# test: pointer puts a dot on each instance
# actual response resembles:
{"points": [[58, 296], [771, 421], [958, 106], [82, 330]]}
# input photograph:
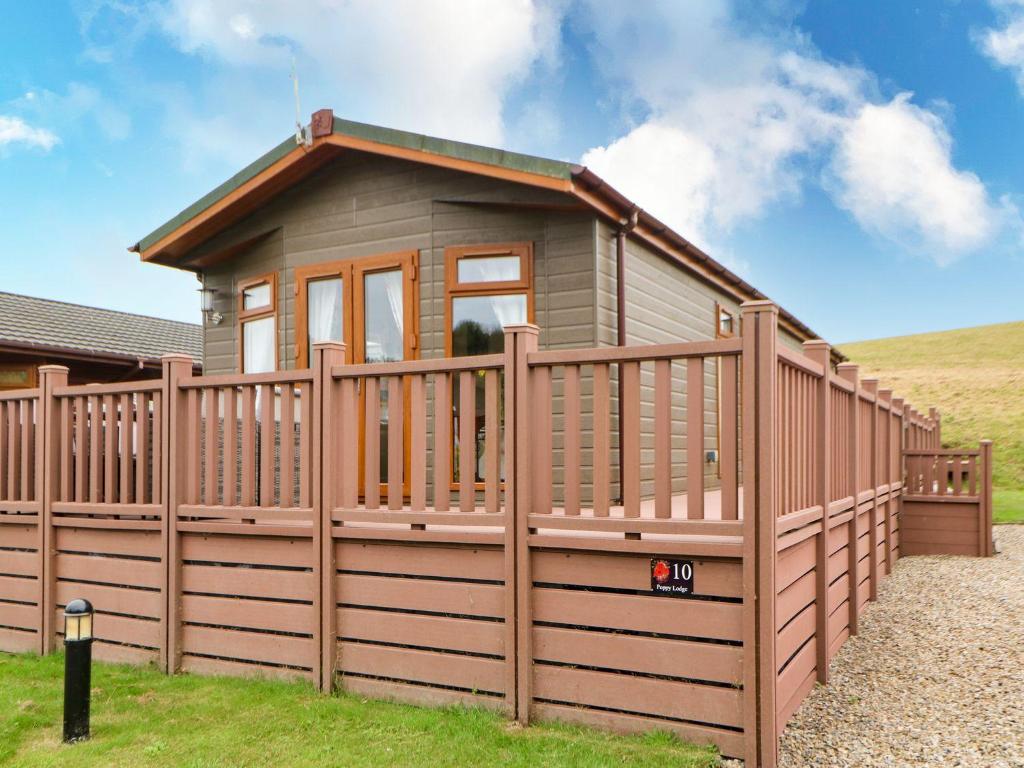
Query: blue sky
{"points": [[860, 162]]}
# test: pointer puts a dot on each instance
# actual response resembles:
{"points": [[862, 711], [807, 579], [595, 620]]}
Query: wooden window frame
{"points": [[719, 311], [350, 271], [453, 289], [32, 369], [258, 313]]}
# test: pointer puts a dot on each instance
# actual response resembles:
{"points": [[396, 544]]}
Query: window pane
{"points": [[383, 315], [256, 296], [324, 311], [258, 345], [725, 323], [478, 322], [489, 269]]}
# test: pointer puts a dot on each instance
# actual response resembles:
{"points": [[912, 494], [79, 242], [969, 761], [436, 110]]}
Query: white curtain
{"points": [[324, 307], [510, 310], [393, 286], [258, 344]]}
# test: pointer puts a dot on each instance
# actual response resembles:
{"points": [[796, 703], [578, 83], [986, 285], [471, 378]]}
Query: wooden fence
{"points": [[455, 530]]}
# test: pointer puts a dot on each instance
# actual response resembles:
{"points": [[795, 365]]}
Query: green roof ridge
{"points": [[392, 136]]}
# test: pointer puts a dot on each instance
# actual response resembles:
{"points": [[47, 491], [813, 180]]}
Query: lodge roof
{"points": [[290, 161], [52, 326]]}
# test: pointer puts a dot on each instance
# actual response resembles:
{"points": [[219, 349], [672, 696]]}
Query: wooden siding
{"points": [[361, 205]]}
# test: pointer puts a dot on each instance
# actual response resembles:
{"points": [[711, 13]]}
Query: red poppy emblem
{"points": [[661, 571]]}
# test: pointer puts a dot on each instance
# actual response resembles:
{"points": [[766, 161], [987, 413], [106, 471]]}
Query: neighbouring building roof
{"points": [[288, 163], [54, 326]]}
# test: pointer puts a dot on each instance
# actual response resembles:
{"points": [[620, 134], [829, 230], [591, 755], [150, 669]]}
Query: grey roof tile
{"points": [[57, 324]]}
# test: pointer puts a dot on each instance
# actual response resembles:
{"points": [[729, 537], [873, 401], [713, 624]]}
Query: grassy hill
{"points": [[975, 376]]}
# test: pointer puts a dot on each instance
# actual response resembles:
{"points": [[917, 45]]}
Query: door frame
{"points": [[352, 272]]}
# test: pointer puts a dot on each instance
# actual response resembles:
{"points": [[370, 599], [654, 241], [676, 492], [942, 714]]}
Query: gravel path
{"points": [[935, 676]]}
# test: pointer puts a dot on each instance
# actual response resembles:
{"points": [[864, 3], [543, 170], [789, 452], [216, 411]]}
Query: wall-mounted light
{"points": [[206, 299]]}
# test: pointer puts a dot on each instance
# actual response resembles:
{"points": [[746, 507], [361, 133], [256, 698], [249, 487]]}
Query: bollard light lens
{"points": [[78, 621]]}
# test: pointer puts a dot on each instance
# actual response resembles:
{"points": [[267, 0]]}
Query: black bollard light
{"points": [[77, 669]]}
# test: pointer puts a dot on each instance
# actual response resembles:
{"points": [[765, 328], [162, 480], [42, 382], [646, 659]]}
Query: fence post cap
{"points": [[332, 345], [871, 385], [986, 442], [760, 305], [52, 368], [523, 328], [885, 394], [171, 357], [817, 344]]}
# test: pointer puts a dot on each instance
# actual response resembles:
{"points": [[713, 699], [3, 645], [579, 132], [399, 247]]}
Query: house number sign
{"points": [[673, 578]]}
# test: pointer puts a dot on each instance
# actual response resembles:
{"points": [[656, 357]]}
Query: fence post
{"points": [[760, 364], [985, 505], [871, 387], [47, 448], [520, 340], [848, 371], [176, 367], [326, 426], [933, 414], [821, 352]]}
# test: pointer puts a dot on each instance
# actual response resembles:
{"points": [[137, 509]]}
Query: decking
{"points": [[262, 524]]}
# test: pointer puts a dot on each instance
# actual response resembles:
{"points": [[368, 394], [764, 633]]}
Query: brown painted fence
{"points": [[457, 530]]}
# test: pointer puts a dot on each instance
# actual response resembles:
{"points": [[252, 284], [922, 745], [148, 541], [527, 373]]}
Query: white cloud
{"points": [[1005, 44], [14, 130], [80, 101], [735, 122], [896, 177], [441, 67]]}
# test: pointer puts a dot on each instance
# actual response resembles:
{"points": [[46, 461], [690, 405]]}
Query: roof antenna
{"points": [[302, 136]]}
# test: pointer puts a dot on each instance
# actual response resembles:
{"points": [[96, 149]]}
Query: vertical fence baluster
{"points": [[418, 443], [229, 456], [371, 447], [442, 443], [695, 438], [287, 489], [209, 410], [248, 446], [629, 413], [349, 427], [729, 440], [95, 457], [602, 444], [306, 444], [109, 449], [663, 438], [267, 439], [467, 441], [492, 443], [141, 449], [396, 442], [192, 452]]}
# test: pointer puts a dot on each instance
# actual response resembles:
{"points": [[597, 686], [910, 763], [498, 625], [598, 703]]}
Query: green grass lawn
{"points": [[975, 376], [141, 717]]}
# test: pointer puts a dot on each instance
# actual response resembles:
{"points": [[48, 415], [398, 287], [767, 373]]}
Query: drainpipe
{"points": [[625, 228]]}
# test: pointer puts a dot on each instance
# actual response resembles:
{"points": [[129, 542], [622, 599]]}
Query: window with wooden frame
{"points": [[487, 287], [17, 375], [257, 323], [725, 322]]}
